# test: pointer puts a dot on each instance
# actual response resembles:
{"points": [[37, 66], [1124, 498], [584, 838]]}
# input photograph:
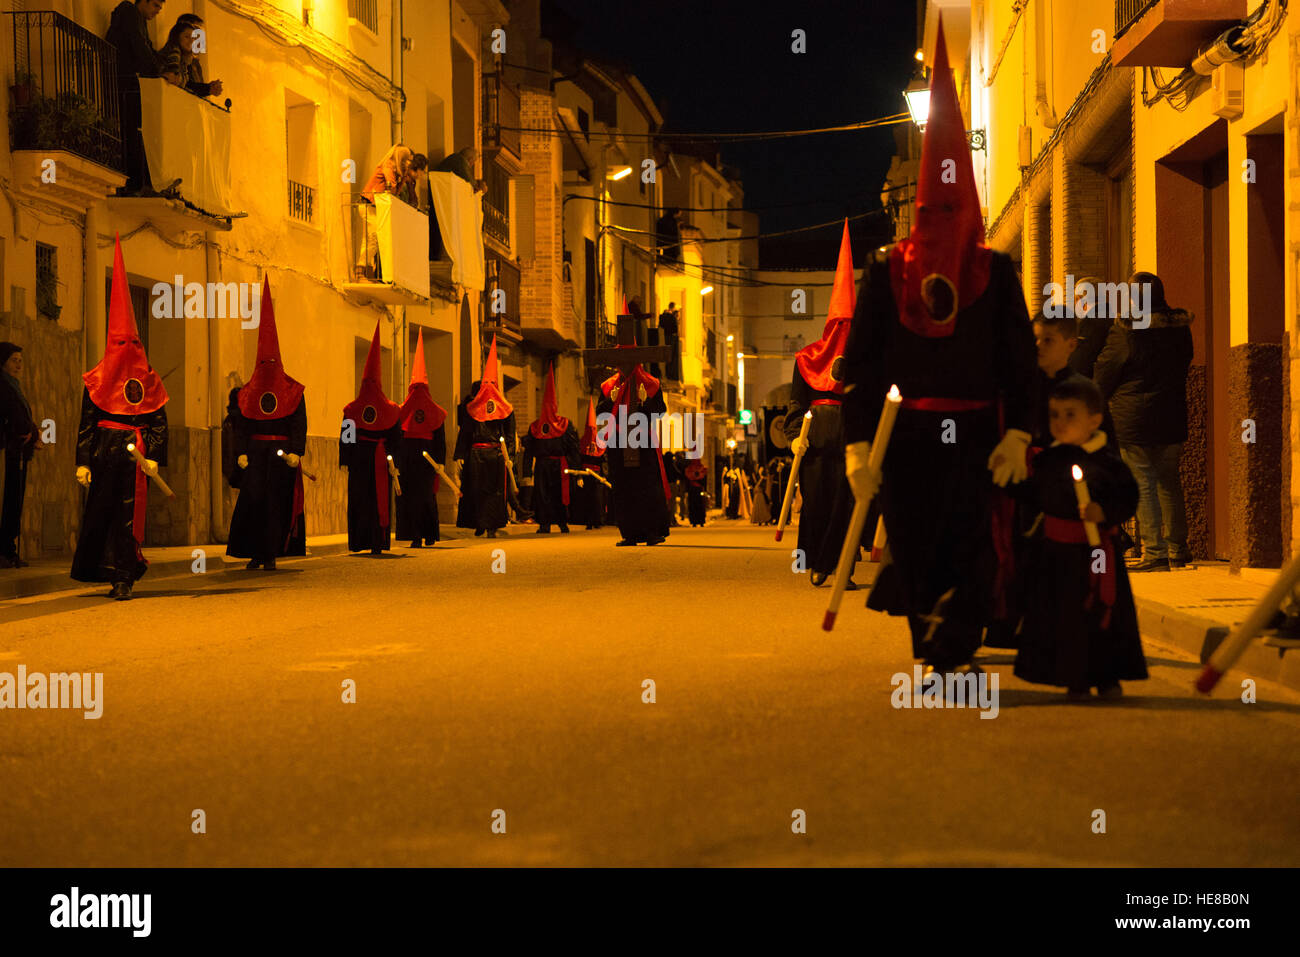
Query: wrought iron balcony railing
{"points": [[302, 201], [1129, 12], [500, 114], [502, 277], [64, 94]]}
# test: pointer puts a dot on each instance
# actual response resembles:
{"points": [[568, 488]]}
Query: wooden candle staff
{"points": [[392, 470], [157, 479], [794, 475], [441, 471], [861, 506], [280, 452]]}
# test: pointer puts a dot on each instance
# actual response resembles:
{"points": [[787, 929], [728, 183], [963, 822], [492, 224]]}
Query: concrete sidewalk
{"points": [[43, 577], [1194, 609]]}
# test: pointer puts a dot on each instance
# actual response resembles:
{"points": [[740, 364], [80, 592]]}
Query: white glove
{"points": [[1009, 461], [863, 479], [799, 445], [150, 467], [291, 459], [242, 461], [83, 475]]}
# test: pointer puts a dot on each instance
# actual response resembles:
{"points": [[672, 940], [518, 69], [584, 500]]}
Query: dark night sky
{"points": [[724, 65]]}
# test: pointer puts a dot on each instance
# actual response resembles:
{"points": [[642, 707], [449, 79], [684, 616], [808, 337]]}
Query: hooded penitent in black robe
{"points": [[267, 416], [587, 496], [545, 460], [466, 510], [107, 546], [478, 446], [640, 488], [376, 421], [417, 506], [267, 521], [1080, 626], [937, 494]]}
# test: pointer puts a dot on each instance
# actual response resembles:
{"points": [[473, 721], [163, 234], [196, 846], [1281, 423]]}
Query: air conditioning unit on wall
{"points": [[1229, 83]]}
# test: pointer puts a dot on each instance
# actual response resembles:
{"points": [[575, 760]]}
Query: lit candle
{"points": [[157, 479], [893, 402], [392, 470], [1081, 493]]}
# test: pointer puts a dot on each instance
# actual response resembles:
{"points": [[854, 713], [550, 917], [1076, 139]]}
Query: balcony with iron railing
{"points": [[63, 106], [501, 299], [500, 114], [496, 204], [1169, 33]]}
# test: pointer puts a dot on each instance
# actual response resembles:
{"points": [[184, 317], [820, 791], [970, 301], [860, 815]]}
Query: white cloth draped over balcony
{"points": [[187, 137], [460, 221], [403, 233]]}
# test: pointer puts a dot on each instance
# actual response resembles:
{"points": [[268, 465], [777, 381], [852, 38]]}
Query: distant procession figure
{"points": [[268, 417], [123, 404], [588, 495], [818, 386], [489, 418], [550, 449], [640, 485], [422, 433], [697, 481], [373, 421]]}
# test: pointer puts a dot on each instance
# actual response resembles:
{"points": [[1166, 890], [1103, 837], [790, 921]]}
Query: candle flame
{"points": [[1077, 473], [130, 446], [279, 451], [894, 394], [390, 458], [808, 414]]}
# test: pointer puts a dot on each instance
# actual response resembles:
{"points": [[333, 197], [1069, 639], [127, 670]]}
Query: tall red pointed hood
{"points": [[270, 393], [371, 409], [421, 416], [550, 425], [819, 363], [490, 403], [124, 383], [590, 444], [943, 266]]}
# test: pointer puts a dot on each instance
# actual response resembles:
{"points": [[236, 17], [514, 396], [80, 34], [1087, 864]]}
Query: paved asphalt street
{"points": [[522, 691]]}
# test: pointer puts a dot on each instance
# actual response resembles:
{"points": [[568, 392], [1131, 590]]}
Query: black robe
{"points": [[640, 500], [366, 529], [417, 506], [695, 503], [587, 502], [545, 461], [1064, 638], [263, 525], [107, 550], [486, 469], [827, 498], [936, 495]]}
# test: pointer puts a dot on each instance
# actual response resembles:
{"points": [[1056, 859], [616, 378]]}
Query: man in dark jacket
{"points": [[1142, 372], [129, 33], [1093, 329]]}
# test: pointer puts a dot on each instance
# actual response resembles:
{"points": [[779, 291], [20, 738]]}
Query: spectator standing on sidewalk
{"points": [[17, 445], [1142, 373], [1093, 328]]}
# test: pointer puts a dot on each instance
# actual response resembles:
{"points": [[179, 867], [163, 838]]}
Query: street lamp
{"points": [[706, 290], [917, 96], [625, 172]]}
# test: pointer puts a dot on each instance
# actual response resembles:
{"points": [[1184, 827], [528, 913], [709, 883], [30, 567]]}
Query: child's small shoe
{"points": [[1110, 692]]}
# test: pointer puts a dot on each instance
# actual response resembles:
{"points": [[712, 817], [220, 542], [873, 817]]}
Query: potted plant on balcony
{"points": [[64, 122], [20, 94]]}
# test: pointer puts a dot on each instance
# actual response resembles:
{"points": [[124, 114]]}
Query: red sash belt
{"points": [[1072, 532], [564, 476], [270, 438], [486, 445], [381, 479], [941, 404], [141, 483], [827, 402]]}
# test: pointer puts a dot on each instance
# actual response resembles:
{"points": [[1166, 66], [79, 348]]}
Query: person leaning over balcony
{"points": [[462, 163], [395, 174], [17, 443], [1142, 373], [136, 57], [180, 59]]}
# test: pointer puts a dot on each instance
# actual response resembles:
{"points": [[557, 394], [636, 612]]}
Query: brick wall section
{"points": [[1037, 252], [540, 278], [1083, 215]]}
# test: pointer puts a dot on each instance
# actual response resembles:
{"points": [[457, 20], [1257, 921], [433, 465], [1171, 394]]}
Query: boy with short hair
{"points": [[1079, 628]]}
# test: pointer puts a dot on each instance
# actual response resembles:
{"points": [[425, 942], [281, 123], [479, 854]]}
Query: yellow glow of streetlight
{"points": [[622, 174], [730, 338], [706, 290]]}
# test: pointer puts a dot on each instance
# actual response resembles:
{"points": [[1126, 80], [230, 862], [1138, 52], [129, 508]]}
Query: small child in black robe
{"points": [[1080, 628]]}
